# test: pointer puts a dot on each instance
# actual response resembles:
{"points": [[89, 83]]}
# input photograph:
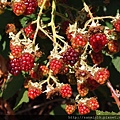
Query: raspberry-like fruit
{"points": [[18, 8], [70, 108], [91, 83], [78, 41], [116, 24], [33, 92], [97, 58], [66, 91], [70, 56], [83, 109], [113, 46], [14, 66], [30, 31], [92, 104], [102, 75], [31, 6], [26, 62], [82, 89], [98, 41], [16, 50], [56, 66]]}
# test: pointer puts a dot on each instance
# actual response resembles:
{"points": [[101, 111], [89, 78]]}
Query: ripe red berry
{"points": [[102, 75], [92, 104], [70, 108], [30, 31], [56, 65], [31, 6], [97, 58], [26, 62], [18, 8], [66, 91], [70, 56], [82, 89], [116, 24], [113, 46], [33, 92], [78, 41], [14, 66], [83, 109], [98, 41]]}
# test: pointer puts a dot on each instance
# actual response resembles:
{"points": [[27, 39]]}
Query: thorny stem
{"points": [[115, 95], [95, 18], [38, 21]]}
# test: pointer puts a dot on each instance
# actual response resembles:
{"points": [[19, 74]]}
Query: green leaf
{"points": [[0, 37], [109, 25], [45, 19], [22, 98], [116, 62], [13, 86]]}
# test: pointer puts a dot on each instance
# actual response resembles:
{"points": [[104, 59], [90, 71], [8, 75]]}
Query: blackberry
{"points": [[26, 62], [70, 56], [14, 66]]}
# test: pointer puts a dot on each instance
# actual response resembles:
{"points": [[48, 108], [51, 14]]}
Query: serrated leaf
{"points": [[116, 63], [13, 86], [22, 98]]}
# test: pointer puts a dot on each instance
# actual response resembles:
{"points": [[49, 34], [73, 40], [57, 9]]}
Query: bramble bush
{"points": [[59, 57]]}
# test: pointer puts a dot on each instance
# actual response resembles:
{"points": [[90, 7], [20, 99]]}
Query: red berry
{"points": [[30, 31], [33, 92], [78, 41], [98, 41], [70, 56], [31, 6], [102, 75], [18, 8], [16, 50], [14, 66], [66, 91], [97, 58], [113, 46], [26, 62], [92, 84], [92, 103], [70, 108], [56, 66], [83, 109], [82, 89], [116, 24]]}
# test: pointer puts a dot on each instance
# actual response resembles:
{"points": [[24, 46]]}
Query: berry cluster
{"points": [[78, 57], [24, 7]]}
